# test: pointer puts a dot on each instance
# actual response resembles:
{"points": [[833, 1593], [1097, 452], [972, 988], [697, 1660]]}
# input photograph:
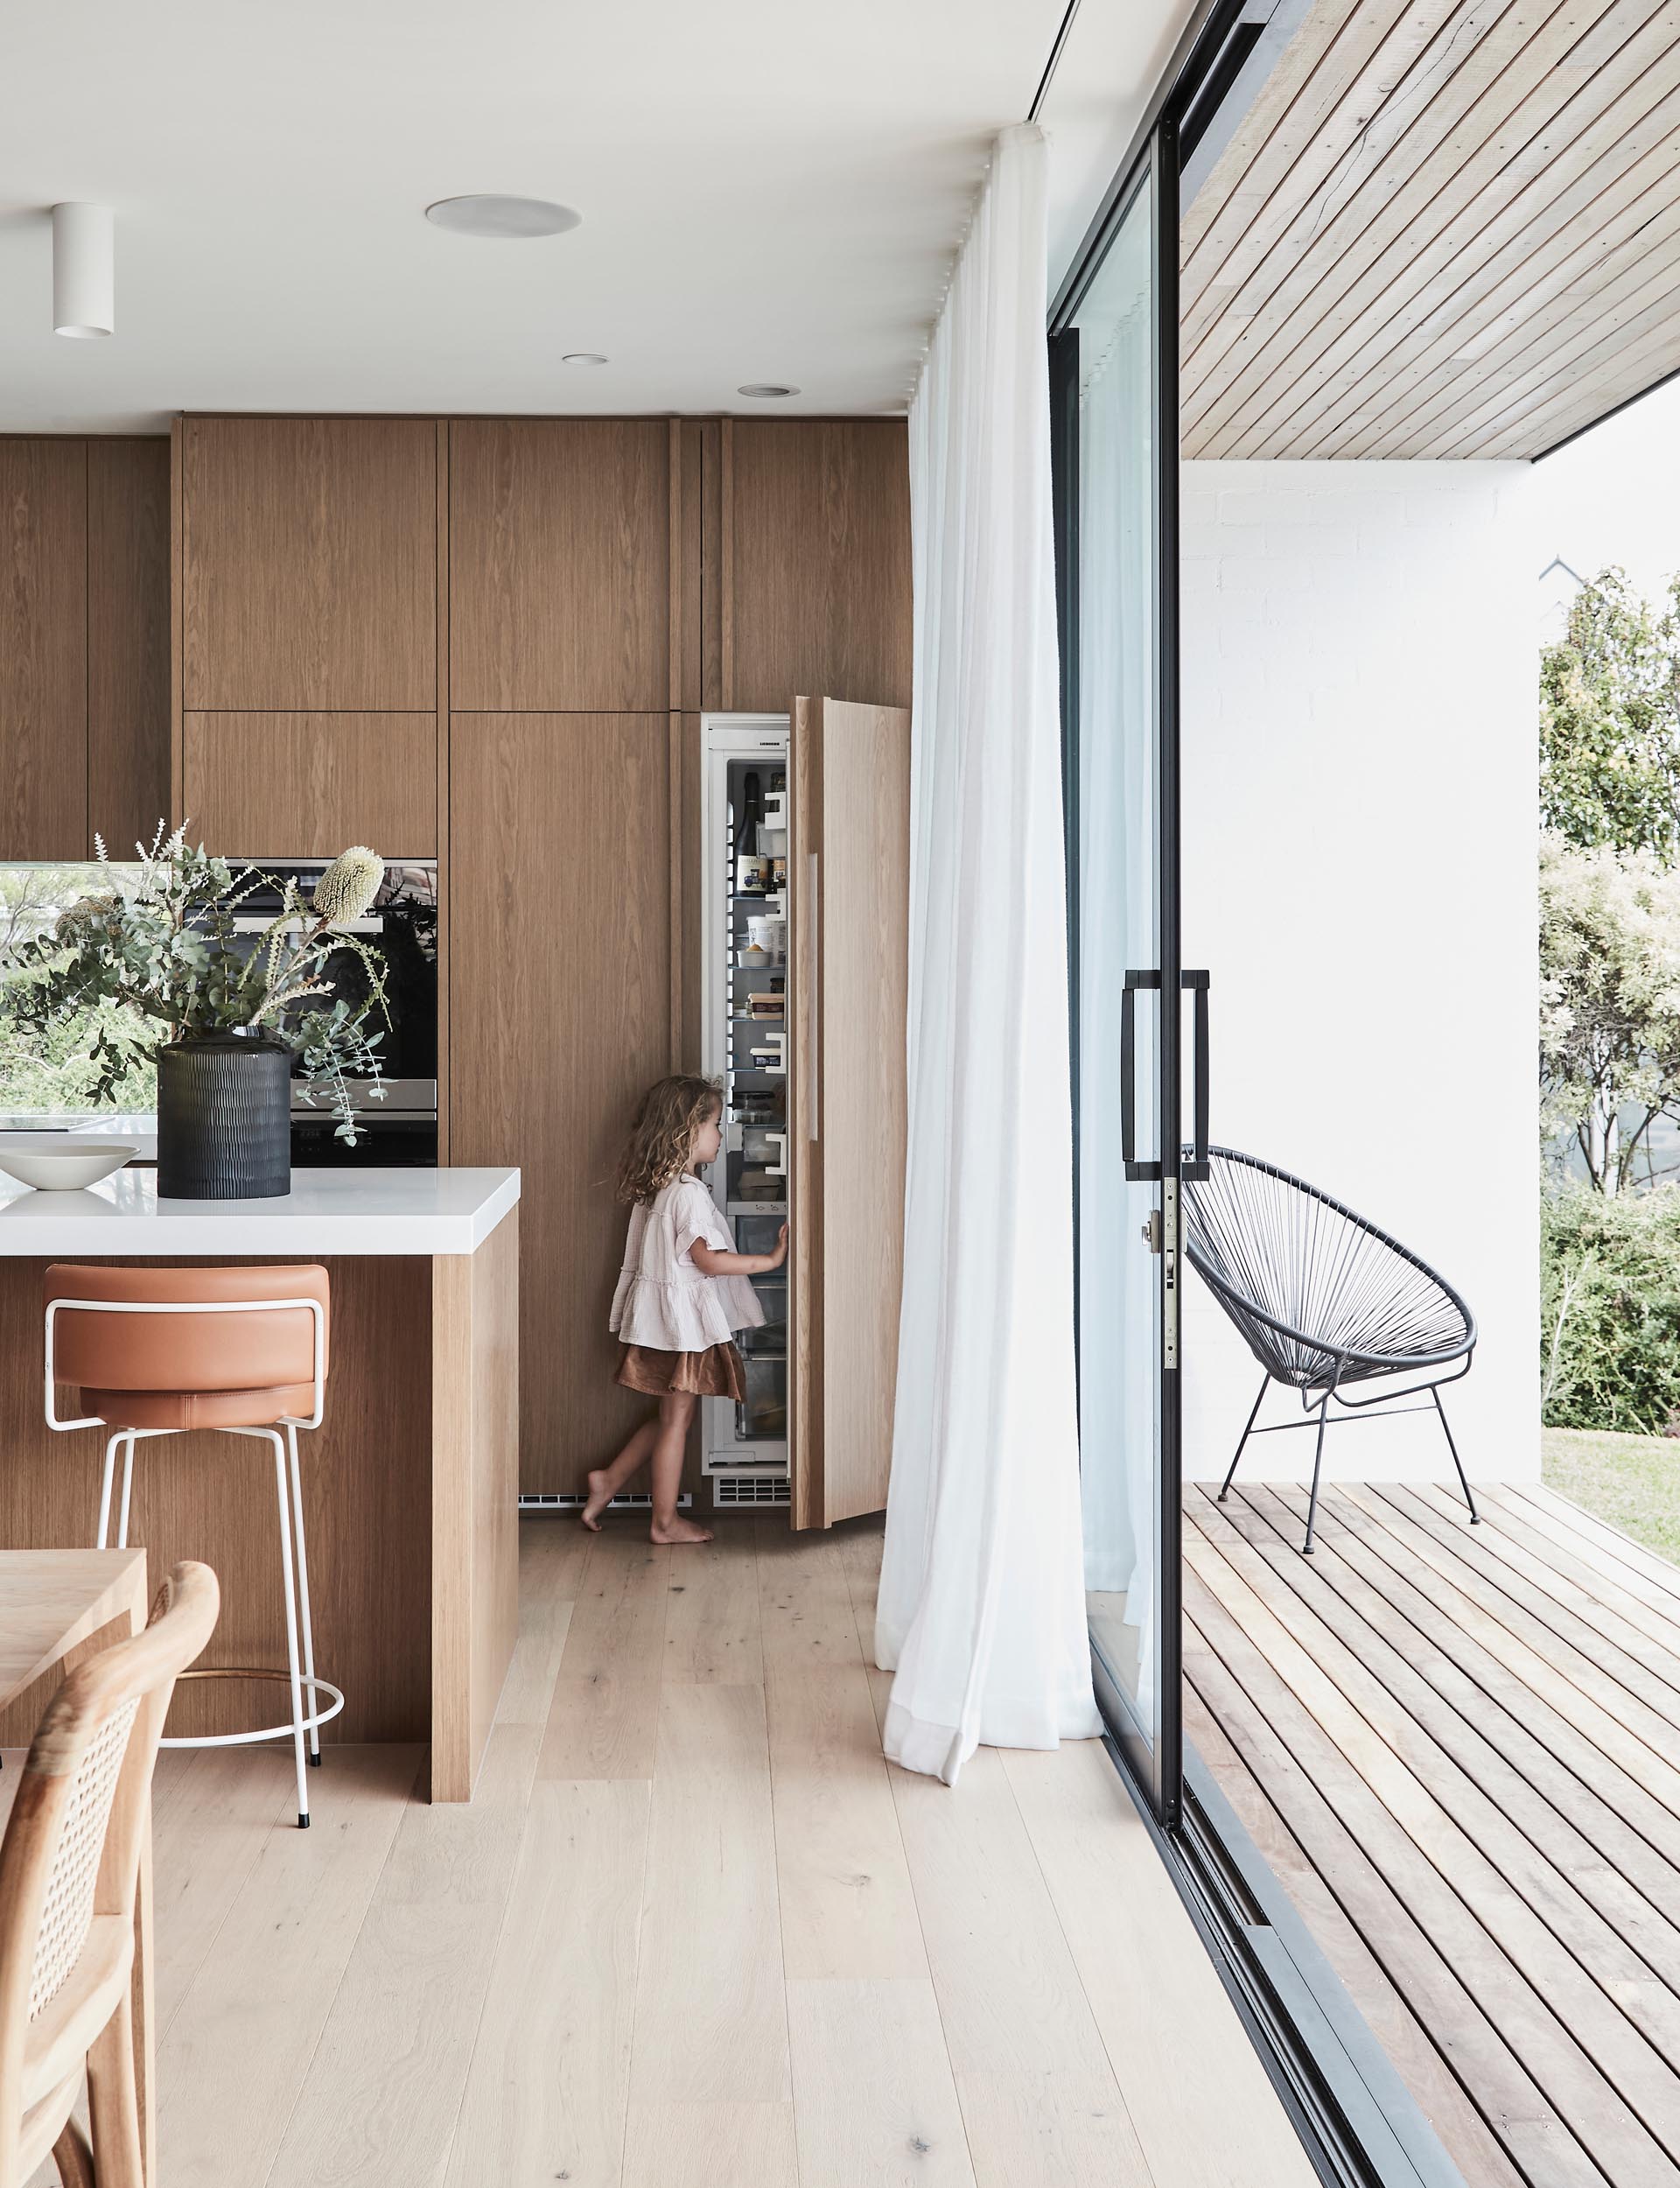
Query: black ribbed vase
{"points": [[224, 1120]]}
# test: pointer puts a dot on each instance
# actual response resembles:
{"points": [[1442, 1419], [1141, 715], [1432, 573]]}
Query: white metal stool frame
{"points": [[291, 1518]]}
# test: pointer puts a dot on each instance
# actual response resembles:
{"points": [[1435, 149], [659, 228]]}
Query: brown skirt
{"points": [[717, 1372]]}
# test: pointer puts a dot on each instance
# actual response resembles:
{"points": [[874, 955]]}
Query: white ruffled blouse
{"points": [[662, 1300]]}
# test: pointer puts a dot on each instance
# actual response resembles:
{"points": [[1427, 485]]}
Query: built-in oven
{"points": [[400, 1129]]}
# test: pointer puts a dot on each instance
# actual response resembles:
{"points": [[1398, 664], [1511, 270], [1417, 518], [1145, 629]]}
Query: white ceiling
{"points": [[769, 193]]}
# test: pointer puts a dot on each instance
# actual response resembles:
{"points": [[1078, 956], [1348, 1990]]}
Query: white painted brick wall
{"points": [[1359, 857]]}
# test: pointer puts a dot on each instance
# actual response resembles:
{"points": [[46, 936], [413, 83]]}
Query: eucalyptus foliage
{"points": [[1610, 721], [159, 959]]}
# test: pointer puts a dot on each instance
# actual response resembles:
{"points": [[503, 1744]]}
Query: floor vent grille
{"points": [[574, 1500], [751, 1489]]}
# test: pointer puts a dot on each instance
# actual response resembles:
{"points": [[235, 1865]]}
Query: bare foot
{"points": [[600, 1495], [678, 1530]]}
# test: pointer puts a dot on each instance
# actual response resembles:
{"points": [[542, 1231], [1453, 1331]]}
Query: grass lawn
{"points": [[1632, 1481]]}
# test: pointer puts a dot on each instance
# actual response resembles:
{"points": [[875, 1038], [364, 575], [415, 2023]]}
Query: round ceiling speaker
{"points": [[507, 219]]}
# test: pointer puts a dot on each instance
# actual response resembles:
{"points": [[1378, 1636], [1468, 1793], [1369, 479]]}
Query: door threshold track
{"points": [[1358, 2122]]}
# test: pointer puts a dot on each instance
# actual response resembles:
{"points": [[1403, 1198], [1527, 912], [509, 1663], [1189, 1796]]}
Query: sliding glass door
{"points": [[1112, 371]]}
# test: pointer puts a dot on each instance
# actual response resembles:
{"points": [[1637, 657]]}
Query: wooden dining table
{"points": [[57, 1609]]}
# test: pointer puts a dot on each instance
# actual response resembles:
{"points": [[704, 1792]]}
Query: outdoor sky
{"points": [[1612, 496]]}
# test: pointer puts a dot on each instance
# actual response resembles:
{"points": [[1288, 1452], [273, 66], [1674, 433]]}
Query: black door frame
{"points": [[1156, 1762]]}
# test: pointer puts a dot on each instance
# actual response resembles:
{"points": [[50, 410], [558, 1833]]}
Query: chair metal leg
{"points": [[297, 1711], [1317, 1460], [111, 1443], [1475, 1516], [303, 1589], [1254, 1415], [130, 1441]]}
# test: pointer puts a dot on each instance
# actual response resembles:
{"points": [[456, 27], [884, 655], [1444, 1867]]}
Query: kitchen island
{"points": [[410, 1484]]}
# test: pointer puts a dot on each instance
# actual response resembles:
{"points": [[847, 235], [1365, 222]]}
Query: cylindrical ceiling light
{"points": [[83, 276]]}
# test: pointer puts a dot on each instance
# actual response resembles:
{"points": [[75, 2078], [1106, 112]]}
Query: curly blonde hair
{"points": [[660, 1145]]}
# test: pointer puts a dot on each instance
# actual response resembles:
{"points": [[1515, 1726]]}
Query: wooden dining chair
{"points": [[69, 1867]]}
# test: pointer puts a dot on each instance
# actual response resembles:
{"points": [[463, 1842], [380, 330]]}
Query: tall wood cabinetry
{"points": [[84, 643], [511, 628], [308, 635]]}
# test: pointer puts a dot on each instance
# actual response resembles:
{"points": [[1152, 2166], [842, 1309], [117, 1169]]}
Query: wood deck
{"points": [[1460, 1749]]}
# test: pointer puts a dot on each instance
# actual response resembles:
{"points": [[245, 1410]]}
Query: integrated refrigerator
{"points": [[743, 998], [804, 873]]}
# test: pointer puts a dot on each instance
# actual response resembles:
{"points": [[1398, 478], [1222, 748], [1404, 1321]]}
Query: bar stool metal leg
{"points": [[111, 1443], [128, 1486], [280, 1485], [303, 1590]]}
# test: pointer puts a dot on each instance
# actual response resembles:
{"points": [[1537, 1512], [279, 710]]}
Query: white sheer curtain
{"points": [[981, 1609]]}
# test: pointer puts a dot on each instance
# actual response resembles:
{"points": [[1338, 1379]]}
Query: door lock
{"points": [[1153, 1231]]}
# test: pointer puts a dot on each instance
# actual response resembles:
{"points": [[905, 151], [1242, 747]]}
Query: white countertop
{"points": [[368, 1211]]}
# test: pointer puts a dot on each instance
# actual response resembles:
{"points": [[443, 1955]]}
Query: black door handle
{"points": [[1135, 1170], [1198, 1167]]}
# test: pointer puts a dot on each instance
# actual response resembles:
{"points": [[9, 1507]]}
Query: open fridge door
{"points": [[849, 908]]}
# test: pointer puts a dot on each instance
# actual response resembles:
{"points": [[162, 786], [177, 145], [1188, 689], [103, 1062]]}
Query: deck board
{"points": [[1458, 1749]]}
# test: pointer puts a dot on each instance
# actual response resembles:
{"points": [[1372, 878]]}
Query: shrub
{"points": [[1610, 1310]]}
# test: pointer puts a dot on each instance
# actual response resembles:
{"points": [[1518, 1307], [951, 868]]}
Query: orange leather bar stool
{"points": [[156, 1352]]}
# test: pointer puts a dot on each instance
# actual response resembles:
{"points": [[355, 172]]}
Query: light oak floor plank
{"points": [[847, 1905], [549, 1577], [546, 2091], [604, 1710], [1054, 2130], [235, 2060], [206, 1838], [1186, 2069], [710, 2016], [711, 1613], [873, 2098], [386, 2081], [710, 2146], [805, 1601], [1009, 1994]]}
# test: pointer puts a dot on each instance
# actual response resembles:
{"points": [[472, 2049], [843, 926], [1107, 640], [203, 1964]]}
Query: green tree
{"points": [[1609, 1001], [1610, 721]]}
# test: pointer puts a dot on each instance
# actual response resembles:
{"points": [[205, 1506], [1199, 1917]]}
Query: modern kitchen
{"points": [[504, 677]]}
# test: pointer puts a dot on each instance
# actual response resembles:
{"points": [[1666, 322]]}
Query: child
{"points": [[681, 1295]]}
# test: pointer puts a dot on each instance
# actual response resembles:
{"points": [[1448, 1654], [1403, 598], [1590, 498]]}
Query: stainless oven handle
{"points": [[339, 926]]}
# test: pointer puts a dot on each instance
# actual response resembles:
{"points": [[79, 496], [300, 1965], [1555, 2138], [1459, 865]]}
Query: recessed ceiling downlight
{"points": [[504, 218], [765, 388], [583, 357]]}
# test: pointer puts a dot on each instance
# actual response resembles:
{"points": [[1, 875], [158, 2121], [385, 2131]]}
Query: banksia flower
{"points": [[349, 885]]}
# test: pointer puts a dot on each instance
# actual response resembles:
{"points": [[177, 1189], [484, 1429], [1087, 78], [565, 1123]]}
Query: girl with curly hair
{"points": [[683, 1293]]}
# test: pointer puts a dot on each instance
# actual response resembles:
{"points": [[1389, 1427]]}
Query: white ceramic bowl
{"points": [[52, 1164]]}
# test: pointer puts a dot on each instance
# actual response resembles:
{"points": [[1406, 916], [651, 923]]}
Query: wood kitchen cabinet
{"points": [[44, 648], [308, 569], [127, 640], [565, 995], [560, 564], [303, 786], [815, 556], [84, 643], [849, 912]]}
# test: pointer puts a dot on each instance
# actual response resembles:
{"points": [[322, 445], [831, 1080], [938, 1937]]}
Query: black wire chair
{"points": [[1323, 1300]]}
